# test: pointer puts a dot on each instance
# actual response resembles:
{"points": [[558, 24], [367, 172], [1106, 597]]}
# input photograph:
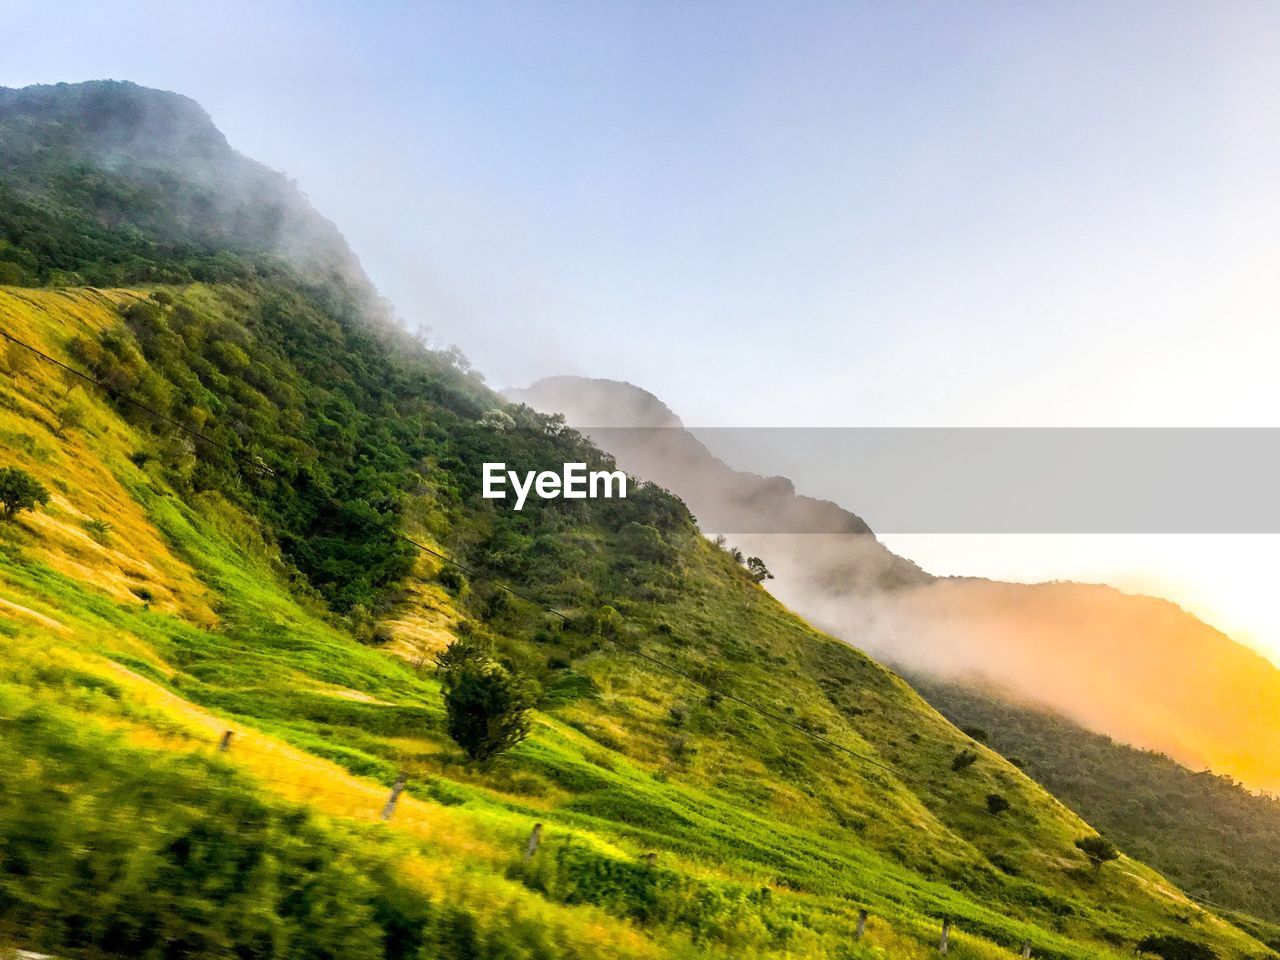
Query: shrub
{"points": [[963, 760], [758, 571], [996, 804], [487, 709], [1098, 849], [452, 579], [98, 528], [71, 415], [19, 491], [17, 359], [1175, 948]]}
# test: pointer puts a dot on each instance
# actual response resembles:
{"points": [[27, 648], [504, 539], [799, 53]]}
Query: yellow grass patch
{"points": [[132, 561]]}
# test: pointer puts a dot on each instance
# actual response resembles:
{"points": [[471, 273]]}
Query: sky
{"points": [[788, 214]]}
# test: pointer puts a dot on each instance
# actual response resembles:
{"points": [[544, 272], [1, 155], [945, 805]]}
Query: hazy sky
{"points": [[790, 213], [777, 214]]}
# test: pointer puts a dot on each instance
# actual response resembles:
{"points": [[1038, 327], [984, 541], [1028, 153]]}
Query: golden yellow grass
{"points": [[134, 557]]}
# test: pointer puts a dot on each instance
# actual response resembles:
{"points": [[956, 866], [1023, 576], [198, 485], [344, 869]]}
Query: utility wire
{"points": [[120, 395]]}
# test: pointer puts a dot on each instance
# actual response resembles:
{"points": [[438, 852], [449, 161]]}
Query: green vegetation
{"points": [[259, 580], [1098, 849], [1176, 948], [486, 708], [19, 491], [1208, 833]]}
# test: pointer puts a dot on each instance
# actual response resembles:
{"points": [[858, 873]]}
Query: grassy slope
{"points": [[767, 841], [1209, 833]]}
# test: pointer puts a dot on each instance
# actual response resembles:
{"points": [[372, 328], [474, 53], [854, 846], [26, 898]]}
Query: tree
{"points": [[71, 416], [487, 709], [759, 572], [19, 491], [996, 804], [1098, 849], [1176, 948], [17, 359], [714, 678]]}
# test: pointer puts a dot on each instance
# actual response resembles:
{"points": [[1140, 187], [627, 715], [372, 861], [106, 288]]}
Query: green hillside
{"points": [[222, 551], [1208, 833]]}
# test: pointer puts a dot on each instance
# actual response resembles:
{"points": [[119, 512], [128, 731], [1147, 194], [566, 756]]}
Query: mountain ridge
{"points": [[166, 594], [1139, 668]]}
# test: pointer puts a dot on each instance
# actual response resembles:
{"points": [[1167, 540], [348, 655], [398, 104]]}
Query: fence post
{"points": [[1026, 949], [396, 790], [534, 839], [225, 743], [862, 925], [946, 935]]}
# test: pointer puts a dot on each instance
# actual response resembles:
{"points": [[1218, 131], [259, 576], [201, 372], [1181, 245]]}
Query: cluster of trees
{"points": [[19, 491], [756, 568]]}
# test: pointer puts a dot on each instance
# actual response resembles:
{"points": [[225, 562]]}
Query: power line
{"points": [[120, 395]]}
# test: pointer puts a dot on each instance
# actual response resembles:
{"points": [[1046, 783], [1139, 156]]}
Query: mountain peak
{"points": [[91, 161], [596, 402], [118, 118]]}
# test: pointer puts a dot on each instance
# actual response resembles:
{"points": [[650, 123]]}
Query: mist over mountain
{"points": [[257, 618], [828, 543], [110, 181], [1140, 669]]}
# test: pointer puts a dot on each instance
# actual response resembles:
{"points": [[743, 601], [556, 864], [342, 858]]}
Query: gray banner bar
{"points": [[978, 480]]}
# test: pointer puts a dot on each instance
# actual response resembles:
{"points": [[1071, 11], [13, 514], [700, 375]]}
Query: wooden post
{"points": [[862, 925], [534, 839], [396, 790], [225, 743], [946, 935], [1026, 949]]}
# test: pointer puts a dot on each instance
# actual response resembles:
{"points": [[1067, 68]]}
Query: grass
{"points": [[767, 842]]}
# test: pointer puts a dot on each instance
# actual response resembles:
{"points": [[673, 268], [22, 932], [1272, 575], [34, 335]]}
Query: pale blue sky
{"points": [[790, 213]]}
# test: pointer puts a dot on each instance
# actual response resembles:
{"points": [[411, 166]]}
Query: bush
{"points": [[452, 579], [19, 491], [963, 760], [99, 529], [996, 804], [1098, 849], [487, 709], [1175, 948]]}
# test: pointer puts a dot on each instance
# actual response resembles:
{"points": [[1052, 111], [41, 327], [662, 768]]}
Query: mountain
{"points": [[221, 728], [1140, 669], [650, 441], [107, 182]]}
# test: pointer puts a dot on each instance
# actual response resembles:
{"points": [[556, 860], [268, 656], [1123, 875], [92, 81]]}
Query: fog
{"points": [[1137, 668]]}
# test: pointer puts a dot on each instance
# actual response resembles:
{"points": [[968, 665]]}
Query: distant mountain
{"points": [[1140, 669], [649, 440]]}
